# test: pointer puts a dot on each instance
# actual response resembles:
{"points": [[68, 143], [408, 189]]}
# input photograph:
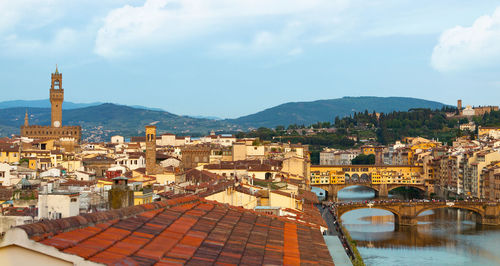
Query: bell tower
{"points": [[150, 150], [56, 98]]}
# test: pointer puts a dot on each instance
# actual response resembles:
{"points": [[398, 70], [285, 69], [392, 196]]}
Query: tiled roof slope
{"points": [[186, 230]]}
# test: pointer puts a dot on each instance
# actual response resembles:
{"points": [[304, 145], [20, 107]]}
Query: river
{"points": [[442, 237]]}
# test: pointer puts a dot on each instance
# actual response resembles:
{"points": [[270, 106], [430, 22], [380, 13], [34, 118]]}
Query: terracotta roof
{"points": [[6, 193], [252, 165], [19, 211], [141, 170], [197, 176], [7, 147], [138, 139], [186, 230], [78, 183]]}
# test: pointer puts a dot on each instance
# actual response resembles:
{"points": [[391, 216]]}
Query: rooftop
{"points": [[186, 230]]}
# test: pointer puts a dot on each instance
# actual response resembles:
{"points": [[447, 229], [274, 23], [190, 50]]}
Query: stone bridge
{"points": [[381, 190], [405, 213]]}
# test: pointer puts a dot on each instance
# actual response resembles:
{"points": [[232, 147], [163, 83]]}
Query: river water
{"points": [[442, 237]]}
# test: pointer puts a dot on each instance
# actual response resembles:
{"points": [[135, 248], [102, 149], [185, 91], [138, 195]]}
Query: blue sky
{"points": [[229, 58]]}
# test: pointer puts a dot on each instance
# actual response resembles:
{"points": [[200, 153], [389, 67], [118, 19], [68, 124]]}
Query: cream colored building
{"points": [[17, 249], [5, 175], [166, 139], [284, 199], [117, 139], [468, 111], [58, 205], [234, 197]]}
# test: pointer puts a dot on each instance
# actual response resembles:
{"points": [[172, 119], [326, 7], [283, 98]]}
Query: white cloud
{"points": [[64, 40], [27, 13], [130, 29], [48, 27], [285, 42], [476, 46], [295, 51]]}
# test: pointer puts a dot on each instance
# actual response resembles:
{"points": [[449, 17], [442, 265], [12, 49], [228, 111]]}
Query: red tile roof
{"points": [[187, 230]]}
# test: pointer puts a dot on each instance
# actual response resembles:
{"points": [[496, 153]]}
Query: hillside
{"points": [[45, 103], [306, 113], [102, 121]]}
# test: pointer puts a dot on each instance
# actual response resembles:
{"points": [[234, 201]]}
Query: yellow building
{"points": [[143, 195], [322, 176], [104, 183], [376, 174], [422, 146], [485, 131], [283, 199], [9, 153]]}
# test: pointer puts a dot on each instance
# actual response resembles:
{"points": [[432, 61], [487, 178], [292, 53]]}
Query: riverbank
{"points": [[358, 260], [335, 228]]}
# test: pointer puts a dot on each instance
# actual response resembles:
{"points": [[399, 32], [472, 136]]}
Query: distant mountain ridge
{"points": [[67, 105], [99, 121], [307, 113], [102, 121]]}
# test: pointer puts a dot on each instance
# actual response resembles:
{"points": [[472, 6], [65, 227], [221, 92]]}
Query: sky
{"points": [[229, 58]]}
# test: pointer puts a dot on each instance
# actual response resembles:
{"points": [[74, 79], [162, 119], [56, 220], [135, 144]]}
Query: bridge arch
{"points": [[419, 187], [342, 189], [345, 209], [349, 185], [474, 209]]}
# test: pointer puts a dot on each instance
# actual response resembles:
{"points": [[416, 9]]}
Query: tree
{"points": [[280, 128], [364, 159]]}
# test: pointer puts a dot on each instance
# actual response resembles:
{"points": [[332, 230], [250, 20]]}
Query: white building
{"points": [[117, 139], [84, 176], [182, 140], [53, 172], [469, 126], [332, 157], [468, 111], [132, 161], [166, 139], [58, 205], [5, 174]]}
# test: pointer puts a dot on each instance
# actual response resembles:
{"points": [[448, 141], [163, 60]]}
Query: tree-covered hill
{"points": [[306, 113]]}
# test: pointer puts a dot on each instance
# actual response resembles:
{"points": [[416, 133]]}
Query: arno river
{"points": [[442, 237]]}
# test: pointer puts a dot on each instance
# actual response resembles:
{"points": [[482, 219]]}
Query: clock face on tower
{"points": [[57, 124]]}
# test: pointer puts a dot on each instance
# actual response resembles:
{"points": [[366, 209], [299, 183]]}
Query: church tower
{"points": [[150, 150], [26, 119], [56, 98]]}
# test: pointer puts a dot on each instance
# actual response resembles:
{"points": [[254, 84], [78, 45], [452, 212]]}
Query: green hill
{"points": [[306, 113], [102, 121]]}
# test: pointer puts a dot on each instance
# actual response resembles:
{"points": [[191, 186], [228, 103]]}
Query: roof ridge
{"points": [[46, 228]]}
